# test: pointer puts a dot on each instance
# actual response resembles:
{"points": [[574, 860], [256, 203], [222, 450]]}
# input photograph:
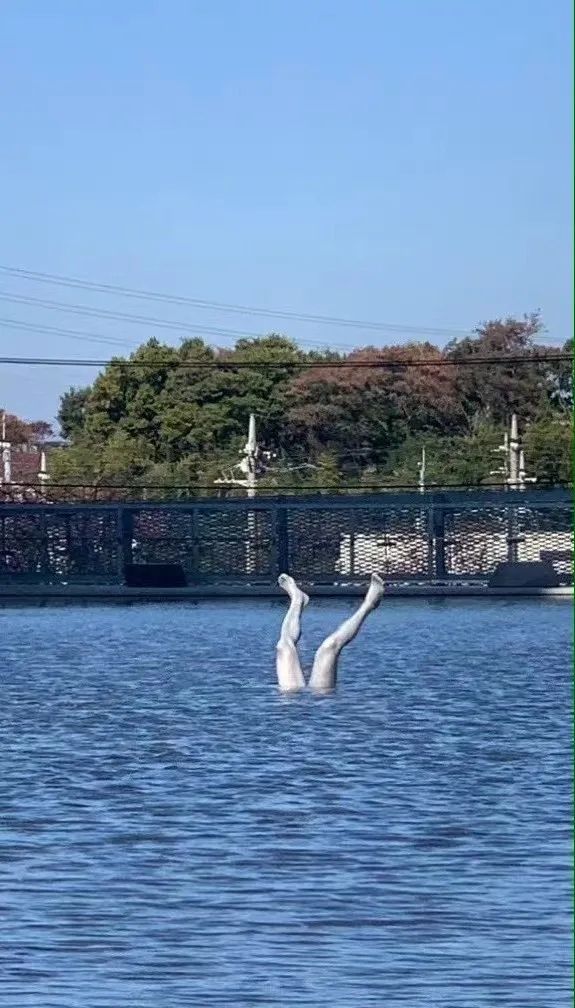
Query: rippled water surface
{"points": [[175, 833]]}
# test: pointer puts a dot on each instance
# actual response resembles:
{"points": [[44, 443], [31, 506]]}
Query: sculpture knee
{"points": [[285, 648], [330, 648]]}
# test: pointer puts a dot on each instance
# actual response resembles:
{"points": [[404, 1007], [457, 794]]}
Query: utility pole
{"points": [[423, 518], [248, 467], [421, 467], [6, 452], [43, 476], [513, 464], [513, 483], [248, 464], [513, 471], [254, 463], [517, 478], [514, 453], [523, 478], [503, 469]]}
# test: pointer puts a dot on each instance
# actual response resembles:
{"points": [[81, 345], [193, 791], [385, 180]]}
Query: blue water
{"points": [[175, 833]]}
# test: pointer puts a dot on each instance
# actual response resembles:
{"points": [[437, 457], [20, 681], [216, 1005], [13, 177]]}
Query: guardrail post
{"points": [[125, 535], [3, 558], [426, 524], [45, 568], [281, 541], [195, 559], [512, 536], [439, 542]]}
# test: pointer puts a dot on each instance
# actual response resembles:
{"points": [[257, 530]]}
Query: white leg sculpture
{"points": [[324, 671], [290, 675]]}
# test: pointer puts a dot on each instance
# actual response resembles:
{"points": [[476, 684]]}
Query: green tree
{"points": [[549, 450], [72, 412], [460, 459]]}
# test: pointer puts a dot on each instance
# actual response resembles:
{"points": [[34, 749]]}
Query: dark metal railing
{"points": [[431, 537]]}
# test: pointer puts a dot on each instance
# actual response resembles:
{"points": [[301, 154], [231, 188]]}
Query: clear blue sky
{"points": [[399, 160]]}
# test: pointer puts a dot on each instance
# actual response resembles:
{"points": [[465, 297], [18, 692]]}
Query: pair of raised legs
{"points": [[324, 671]]}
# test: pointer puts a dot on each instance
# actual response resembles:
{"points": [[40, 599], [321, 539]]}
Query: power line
{"points": [[268, 365], [103, 313], [200, 328], [149, 295], [69, 333], [178, 326]]}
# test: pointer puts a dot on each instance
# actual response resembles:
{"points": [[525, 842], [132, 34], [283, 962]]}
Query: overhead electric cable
{"points": [[150, 295], [470, 360]]}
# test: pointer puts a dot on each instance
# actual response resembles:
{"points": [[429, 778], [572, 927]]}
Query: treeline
{"points": [[156, 422]]}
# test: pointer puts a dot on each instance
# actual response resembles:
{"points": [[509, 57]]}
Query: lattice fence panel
{"points": [[164, 535], [83, 546], [546, 534], [347, 543], [476, 540], [23, 546], [235, 544], [59, 546], [209, 543]]}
